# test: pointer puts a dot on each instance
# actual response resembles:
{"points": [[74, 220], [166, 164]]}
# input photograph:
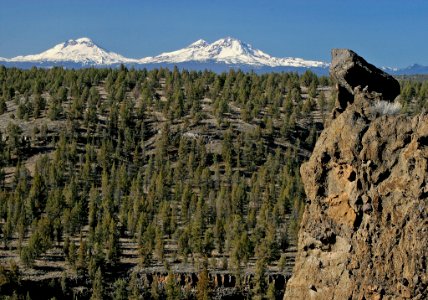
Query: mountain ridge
{"points": [[220, 55], [226, 50]]}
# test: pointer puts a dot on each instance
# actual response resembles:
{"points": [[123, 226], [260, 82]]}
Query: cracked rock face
{"points": [[364, 233]]}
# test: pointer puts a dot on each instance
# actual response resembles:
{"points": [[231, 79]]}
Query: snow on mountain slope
{"points": [[81, 50], [190, 53], [219, 55], [227, 51], [230, 51]]}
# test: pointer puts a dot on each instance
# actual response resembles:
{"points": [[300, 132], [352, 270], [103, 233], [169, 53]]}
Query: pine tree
{"points": [[171, 287], [81, 255], [120, 292], [39, 105], [93, 208], [14, 140], [202, 287], [36, 199], [159, 245], [113, 245], [154, 289], [134, 291], [282, 263], [259, 279], [271, 291], [72, 254], [3, 106], [97, 286], [55, 109]]}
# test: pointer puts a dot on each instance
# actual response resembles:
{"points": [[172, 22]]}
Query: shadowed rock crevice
{"points": [[364, 232]]}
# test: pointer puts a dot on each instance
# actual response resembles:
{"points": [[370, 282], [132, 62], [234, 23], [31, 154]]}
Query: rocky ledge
{"points": [[364, 233]]}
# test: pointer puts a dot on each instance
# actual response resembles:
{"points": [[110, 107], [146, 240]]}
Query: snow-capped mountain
{"points": [[218, 56], [229, 51], [82, 51]]}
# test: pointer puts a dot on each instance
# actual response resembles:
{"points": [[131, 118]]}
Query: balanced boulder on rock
{"points": [[349, 70]]}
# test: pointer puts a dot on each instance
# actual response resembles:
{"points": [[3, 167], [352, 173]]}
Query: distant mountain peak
{"points": [[230, 51], [415, 65], [82, 50]]}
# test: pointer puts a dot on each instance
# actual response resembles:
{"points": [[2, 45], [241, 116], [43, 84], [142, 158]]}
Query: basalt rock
{"points": [[364, 232], [350, 70]]}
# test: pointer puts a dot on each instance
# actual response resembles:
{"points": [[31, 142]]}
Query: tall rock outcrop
{"points": [[364, 232]]}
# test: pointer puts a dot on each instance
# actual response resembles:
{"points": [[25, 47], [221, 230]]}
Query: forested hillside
{"points": [[116, 182]]}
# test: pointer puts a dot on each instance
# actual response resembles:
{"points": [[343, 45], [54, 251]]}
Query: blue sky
{"points": [[385, 32]]}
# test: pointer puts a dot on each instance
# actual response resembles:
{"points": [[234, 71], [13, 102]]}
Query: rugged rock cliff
{"points": [[364, 233]]}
